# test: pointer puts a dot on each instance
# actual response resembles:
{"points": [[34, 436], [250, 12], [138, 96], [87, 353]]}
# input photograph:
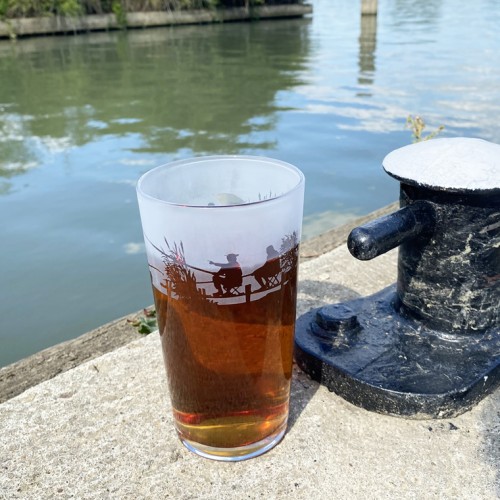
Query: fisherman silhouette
{"points": [[267, 275], [229, 277]]}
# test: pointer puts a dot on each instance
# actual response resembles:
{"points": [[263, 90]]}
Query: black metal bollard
{"points": [[428, 346]]}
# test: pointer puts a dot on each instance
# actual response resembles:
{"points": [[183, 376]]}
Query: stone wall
{"points": [[56, 25]]}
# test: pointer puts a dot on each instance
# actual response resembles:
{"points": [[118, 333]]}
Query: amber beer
{"points": [[229, 366], [222, 235]]}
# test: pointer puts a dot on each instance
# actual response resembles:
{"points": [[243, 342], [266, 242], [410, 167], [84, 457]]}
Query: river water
{"points": [[81, 118]]}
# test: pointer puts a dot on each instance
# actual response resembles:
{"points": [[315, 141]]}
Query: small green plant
{"points": [[4, 8], [70, 8], [120, 13], [146, 323], [10, 9], [417, 126]]}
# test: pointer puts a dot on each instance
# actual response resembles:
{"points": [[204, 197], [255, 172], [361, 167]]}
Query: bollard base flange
{"points": [[374, 357]]}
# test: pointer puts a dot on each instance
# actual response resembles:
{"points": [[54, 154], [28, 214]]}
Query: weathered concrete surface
{"points": [[104, 430], [58, 24], [17, 377]]}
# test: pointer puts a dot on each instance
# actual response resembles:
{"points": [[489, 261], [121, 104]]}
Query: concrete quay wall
{"points": [[58, 25], [46, 364], [104, 428]]}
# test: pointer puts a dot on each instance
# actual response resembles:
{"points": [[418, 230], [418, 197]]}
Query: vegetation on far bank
{"points": [[36, 8]]}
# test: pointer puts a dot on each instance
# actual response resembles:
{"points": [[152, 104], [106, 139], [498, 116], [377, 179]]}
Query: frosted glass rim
{"points": [[200, 159]]}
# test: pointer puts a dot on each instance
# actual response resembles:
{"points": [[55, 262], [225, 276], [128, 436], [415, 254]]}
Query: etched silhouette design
{"points": [[229, 277], [229, 284], [268, 275], [289, 259]]}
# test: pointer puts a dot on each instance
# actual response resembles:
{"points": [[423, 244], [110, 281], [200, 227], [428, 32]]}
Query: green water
{"points": [[81, 118]]}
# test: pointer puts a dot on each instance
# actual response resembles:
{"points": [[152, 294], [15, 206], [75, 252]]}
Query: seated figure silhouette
{"points": [[267, 275], [229, 277]]}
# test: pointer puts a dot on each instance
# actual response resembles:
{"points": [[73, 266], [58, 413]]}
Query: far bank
{"points": [[56, 25]]}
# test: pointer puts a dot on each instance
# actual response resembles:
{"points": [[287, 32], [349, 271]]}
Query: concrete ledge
{"points": [[44, 365], [53, 25], [105, 430], [21, 375]]}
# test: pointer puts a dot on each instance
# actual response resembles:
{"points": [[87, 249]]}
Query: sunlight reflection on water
{"points": [[81, 118]]}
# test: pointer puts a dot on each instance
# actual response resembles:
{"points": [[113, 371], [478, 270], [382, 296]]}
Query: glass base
{"points": [[239, 453]]}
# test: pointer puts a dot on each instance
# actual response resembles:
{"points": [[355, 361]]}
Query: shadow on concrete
{"points": [[302, 391], [312, 294], [490, 420]]}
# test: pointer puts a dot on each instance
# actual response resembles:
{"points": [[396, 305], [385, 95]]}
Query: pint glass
{"points": [[222, 240]]}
